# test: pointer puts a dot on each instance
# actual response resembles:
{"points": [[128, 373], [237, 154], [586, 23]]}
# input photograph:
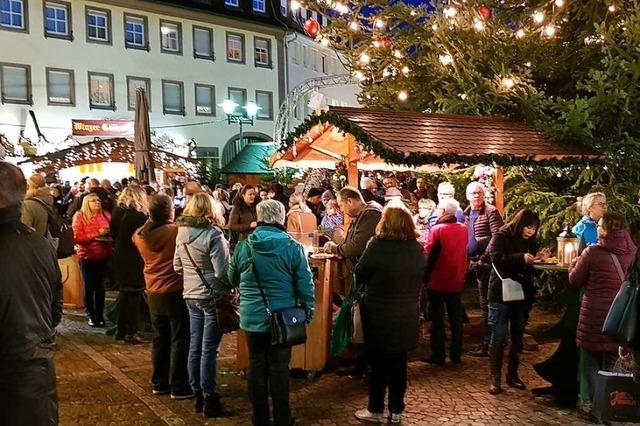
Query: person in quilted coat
{"points": [[600, 270]]}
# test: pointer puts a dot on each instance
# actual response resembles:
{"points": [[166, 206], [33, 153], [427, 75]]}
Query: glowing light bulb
{"points": [[463, 96], [434, 27], [538, 17], [403, 95], [520, 33], [365, 59], [450, 12], [397, 54], [508, 82], [446, 59], [353, 26], [379, 23], [549, 31], [527, 64], [559, 3], [376, 43], [612, 8], [478, 25], [405, 70]]}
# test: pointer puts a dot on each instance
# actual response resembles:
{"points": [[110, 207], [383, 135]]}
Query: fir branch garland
{"points": [[416, 159]]}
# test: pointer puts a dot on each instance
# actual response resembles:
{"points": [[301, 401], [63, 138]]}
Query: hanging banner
{"points": [[102, 128]]}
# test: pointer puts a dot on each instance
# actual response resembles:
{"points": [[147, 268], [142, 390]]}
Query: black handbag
{"points": [[226, 307], [287, 325]]}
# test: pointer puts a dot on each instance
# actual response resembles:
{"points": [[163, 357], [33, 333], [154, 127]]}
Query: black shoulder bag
{"points": [[226, 307], [287, 325]]}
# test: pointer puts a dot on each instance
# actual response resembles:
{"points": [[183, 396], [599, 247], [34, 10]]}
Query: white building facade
{"points": [[79, 59]]}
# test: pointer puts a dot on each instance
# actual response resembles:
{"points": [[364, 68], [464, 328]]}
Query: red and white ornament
{"points": [[485, 12], [311, 27]]}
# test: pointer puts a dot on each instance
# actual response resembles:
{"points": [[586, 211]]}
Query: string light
{"points": [[359, 75], [403, 95], [379, 23], [508, 82], [549, 31], [559, 3], [375, 44], [387, 72], [365, 59], [463, 96], [341, 8], [353, 26], [450, 12], [405, 70], [446, 59], [398, 54], [612, 8], [527, 64], [434, 27], [324, 41], [538, 17], [478, 25], [520, 33]]}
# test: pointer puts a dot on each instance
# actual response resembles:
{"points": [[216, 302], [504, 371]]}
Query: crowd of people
{"points": [[173, 252]]}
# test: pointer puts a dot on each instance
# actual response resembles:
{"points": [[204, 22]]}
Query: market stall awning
{"points": [[414, 139], [253, 159], [105, 151]]}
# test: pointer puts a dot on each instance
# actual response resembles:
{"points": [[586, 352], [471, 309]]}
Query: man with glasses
{"points": [[446, 191], [483, 222]]}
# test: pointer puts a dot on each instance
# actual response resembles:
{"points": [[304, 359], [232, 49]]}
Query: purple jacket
{"points": [[595, 270]]}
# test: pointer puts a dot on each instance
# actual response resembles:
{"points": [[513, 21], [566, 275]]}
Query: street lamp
{"points": [[229, 107]]}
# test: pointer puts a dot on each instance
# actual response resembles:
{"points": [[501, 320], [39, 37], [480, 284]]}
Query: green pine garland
{"points": [[416, 159]]}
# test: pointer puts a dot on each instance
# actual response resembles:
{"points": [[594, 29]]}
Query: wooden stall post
{"points": [[499, 184]]}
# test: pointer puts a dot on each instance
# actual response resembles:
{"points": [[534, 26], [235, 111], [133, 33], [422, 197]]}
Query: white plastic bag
{"points": [[511, 289]]}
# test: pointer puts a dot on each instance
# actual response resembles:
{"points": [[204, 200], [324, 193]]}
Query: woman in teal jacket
{"points": [[284, 272], [594, 206]]}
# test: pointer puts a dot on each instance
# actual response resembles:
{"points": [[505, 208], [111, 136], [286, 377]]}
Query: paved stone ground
{"points": [[102, 382]]}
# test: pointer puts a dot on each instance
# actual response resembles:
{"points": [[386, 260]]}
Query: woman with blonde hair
{"points": [[594, 206], [202, 256], [90, 224], [391, 270], [130, 214], [300, 218]]}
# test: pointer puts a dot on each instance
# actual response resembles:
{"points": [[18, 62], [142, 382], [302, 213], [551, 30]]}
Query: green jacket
{"points": [[281, 264]]}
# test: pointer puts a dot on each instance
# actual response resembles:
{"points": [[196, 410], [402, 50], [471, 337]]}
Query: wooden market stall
{"points": [[366, 140]]}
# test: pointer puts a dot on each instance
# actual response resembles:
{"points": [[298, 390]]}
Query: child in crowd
{"points": [[332, 218]]}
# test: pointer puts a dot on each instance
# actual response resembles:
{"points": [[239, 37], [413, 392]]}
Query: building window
{"points": [[239, 96], [60, 87], [16, 83], [259, 6], [171, 37], [135, 32], [173, 97], [203, 43], [205, 99], [57, 20], [98, 25], [262, 52], [234, 3], [265, 102], [235, 48], [323, 60], [101, 93], [135, 83], [305, 57], [13, 15]]}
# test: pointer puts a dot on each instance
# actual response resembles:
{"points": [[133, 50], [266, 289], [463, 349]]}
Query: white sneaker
{"points": [[367, 416], [395, 418]]}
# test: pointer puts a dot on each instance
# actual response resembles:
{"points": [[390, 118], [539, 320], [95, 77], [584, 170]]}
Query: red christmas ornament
{"points": [[385, 42], [485, 12], [311, 27]]}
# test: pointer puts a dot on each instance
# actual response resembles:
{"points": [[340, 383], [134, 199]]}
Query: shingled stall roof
{"points": [[106, 151], [418, 139]]}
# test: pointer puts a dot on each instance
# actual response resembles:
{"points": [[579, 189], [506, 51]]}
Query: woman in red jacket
{"points": [[446, 251], [597, 271], [89, 225]]}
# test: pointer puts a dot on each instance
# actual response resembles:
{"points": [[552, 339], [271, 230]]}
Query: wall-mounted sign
{"points": [[102, 128]]}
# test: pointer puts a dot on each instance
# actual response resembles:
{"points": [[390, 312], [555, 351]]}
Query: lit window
{"points": [[60, 87], [259, 6], [170, 37], [265, 102], [173, 97], [205, 99], [235, 47], [12, 14], [98, 25], [135, 33], [202, 43], [231, 3], [16, 83], [262, 52], [101, 94], [56, 19], [135, 83]]}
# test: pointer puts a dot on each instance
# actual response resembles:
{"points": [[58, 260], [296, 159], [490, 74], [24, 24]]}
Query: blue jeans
{"points": [[203, 347], [505, 319]]}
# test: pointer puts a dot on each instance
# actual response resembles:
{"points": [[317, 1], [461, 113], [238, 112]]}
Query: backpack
{"points": [[59, 232]]}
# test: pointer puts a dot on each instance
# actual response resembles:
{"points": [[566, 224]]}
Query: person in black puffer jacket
{"points": [[392, 270], [128, 265]]}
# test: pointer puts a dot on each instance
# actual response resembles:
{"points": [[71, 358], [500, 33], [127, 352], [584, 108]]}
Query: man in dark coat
{"points": [[365, 218], [314, 202], [30, 308], [483, 222]]}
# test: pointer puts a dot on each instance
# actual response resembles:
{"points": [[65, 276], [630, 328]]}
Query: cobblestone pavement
{"points": [[102, 382]]}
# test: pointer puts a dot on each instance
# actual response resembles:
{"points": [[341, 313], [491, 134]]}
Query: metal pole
{"points": [[241, 133]]}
